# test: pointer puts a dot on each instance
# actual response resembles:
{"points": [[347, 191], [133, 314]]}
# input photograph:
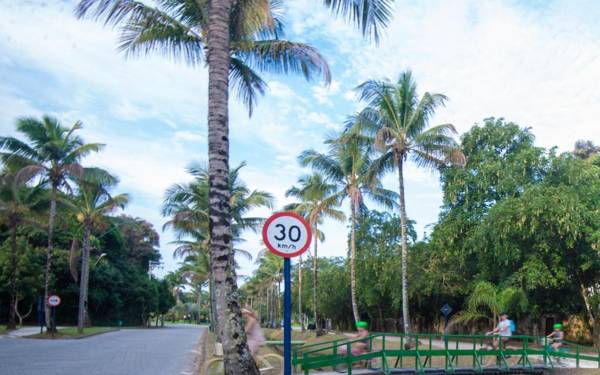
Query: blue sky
{"points": [[533, 62]]}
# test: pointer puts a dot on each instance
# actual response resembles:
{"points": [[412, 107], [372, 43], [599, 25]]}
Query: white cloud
{"points": [[323, 93], [494, 58], [188, 136]]}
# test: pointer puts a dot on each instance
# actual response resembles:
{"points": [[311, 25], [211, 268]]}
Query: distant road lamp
{"points": [[99, 258]]}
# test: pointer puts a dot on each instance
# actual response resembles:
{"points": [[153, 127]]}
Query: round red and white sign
{"points": [[286, 234], [53, 300]]}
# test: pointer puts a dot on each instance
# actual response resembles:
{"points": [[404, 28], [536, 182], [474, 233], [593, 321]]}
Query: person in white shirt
{"points": [[503, 330]]}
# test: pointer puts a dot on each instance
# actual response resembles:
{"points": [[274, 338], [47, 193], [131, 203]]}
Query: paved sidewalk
{"points": [[158, 351], [23, 331]]}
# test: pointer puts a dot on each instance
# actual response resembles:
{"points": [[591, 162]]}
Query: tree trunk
{"points": [[214, 321], [48, 276], [236, 356], [353, 261], [21, 317], [12, 321], [316, 239], [83, 280], [198, 301], [300, 317], [404, 242], [592, 321]]}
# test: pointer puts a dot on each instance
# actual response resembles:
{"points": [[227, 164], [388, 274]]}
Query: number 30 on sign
{"points": [[286, 234]]}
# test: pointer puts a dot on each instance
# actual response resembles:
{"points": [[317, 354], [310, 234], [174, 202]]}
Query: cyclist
{"points": [[361, 346], [254, 334], [503, 330], [556, 337]]}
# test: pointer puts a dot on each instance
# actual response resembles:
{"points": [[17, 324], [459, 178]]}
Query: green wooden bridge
{"points": [[391, 353]]}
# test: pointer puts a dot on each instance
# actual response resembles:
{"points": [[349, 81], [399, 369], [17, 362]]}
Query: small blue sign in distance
{"points": [[446, 310]]}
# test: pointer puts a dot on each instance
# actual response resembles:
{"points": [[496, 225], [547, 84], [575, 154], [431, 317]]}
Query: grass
{"points": [[2, 330], [71, 333]]}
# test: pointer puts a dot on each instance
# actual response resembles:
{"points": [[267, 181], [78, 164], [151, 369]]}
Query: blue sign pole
{"points": [[287, 318]]}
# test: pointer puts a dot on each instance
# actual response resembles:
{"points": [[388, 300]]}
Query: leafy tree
{"points": [[585, 149], [347, 165], [19, 206], [90, 207], [54, 153], [501, 162], [486, 299], [397, 120], [317, 202]]}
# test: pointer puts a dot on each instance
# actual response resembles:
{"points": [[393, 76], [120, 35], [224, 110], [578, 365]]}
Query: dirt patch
{"points": [[200, 355]]}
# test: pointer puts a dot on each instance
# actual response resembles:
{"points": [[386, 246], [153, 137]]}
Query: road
{"points": [[165, 351]]}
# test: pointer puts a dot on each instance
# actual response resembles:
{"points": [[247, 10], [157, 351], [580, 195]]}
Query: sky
{"points": [[534, 62]]}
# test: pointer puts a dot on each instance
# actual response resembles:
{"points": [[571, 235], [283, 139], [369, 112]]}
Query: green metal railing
{"points": [[387, 351]]}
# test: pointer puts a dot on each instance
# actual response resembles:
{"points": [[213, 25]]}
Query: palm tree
{"points": [[54, 154], [368, 15], [90, 207], [347, 165], [19, 205], [187, 205], [195, 271], [318, 201], [397, 120]]}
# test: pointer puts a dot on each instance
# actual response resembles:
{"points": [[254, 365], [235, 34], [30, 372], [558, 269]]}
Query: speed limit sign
{"points": [[53, 300], [286, 234]]}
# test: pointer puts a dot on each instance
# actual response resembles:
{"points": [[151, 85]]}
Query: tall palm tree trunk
{"points": [[83, 281], [404, 254], [237, 357], [300, 317], [198, 301], [315, 281], [48, 276], [214, 323], [353, 261], [12, 314]]}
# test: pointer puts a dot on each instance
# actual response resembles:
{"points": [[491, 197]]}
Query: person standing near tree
{"points": [[254, 334]]}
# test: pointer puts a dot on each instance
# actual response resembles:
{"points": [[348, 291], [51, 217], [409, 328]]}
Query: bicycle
{"points": [[268, 364]]}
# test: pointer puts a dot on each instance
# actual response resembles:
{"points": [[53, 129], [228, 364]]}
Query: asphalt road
{"points": [[166, 351]]}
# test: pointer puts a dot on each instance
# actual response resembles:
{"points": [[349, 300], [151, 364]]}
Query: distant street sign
{"points": [[53, 300], [446, 310], [286, 234]]}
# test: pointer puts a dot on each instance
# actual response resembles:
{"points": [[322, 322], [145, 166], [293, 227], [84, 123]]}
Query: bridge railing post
{"points": [[577, 355]]}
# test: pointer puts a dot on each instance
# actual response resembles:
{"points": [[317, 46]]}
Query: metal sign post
{"points": [[288, 235], [53, 301], [446, 310]]}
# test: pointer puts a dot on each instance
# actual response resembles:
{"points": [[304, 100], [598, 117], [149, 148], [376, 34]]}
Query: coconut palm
{"points": [[317, 201], [19, 205], [195, 271], [397, 119], [54, 154], [368, 15], [90, 207], [187, 206], [347, 165]]}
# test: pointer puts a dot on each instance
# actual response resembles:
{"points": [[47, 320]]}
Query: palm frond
{"points": [[282, 56], [370, 16], [245, 83], [164, 35]]}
